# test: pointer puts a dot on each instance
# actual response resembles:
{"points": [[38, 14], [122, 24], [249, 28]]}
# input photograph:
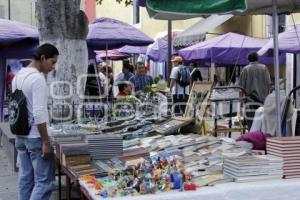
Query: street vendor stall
{"points": [[269, 189]]}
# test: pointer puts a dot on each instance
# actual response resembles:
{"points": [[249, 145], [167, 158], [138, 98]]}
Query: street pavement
{"points": [[9, 182]]}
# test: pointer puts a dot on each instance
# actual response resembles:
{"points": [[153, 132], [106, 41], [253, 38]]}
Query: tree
{"points": [[63, 24]]}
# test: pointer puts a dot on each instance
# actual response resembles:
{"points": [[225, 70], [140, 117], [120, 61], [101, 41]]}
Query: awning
{"points": [[179, 9], [196, 33]]}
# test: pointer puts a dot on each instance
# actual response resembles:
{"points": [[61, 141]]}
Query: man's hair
{"points": [[48, 50], [253, 56], [126, 65], [140, 64], [122, 85]]}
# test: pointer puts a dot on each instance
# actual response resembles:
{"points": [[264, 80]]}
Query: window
{"points": [[281, 24]]}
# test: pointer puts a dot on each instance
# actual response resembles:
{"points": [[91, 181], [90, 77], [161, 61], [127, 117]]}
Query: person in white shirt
{"points": [[180, 94], [36, 158]]}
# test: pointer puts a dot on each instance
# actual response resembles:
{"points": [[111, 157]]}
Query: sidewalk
{"points": [[9, 181]]}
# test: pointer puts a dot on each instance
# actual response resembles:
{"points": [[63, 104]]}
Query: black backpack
{"points": [[18, 112], [184, 77]]}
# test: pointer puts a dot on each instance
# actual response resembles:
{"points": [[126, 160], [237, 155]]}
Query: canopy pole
{"points": [[276, 67], [9, 15], [106, 90], [169, 49]]}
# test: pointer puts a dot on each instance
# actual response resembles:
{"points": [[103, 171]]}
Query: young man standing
{"points": [[179, 85], [37, 166]]}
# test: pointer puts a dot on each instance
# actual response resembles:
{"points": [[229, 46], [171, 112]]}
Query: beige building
{"points": [[20, 10], [249, 25]]}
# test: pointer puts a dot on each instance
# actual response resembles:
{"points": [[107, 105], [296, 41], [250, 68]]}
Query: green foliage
{"points": [[127, 2], [156, 79], [148, 89]]}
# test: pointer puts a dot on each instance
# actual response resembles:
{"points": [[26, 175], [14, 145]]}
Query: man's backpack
{"points": [[184, 77], [18, 112]]}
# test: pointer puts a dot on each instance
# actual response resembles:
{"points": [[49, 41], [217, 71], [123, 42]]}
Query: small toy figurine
{"points": [[143, 187], [104, 194], [136, 184], [189, 186], [177, 180], [164, 163]]}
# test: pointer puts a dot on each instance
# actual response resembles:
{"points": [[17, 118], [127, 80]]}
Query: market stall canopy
{"points": [[111, 55], [17, 40], [288, 41], [178, 9], [196, 33], [141, 3], [133, 49], [158, 51], [105, 33], [230, 48]]}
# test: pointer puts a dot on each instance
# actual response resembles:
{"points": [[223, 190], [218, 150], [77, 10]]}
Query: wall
{"points": [[112, 9], [90, 9], [20, 10]]}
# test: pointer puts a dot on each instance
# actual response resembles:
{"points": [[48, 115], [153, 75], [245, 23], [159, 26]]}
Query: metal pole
{"points": [[276, 66], [8, 9], [169, 67]]}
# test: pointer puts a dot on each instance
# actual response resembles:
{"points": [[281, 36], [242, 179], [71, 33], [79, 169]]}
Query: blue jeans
{"points": [[36, 175]]}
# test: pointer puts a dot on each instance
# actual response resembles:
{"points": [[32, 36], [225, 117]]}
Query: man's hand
{"points": [[46, 150]]}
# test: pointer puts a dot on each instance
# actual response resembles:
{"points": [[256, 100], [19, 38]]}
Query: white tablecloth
{"points": [[262, 190]]}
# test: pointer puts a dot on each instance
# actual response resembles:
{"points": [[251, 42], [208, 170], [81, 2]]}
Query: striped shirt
{"points": [[140, 82]]}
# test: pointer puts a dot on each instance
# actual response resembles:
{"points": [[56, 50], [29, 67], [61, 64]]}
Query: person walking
{"points": [[255, 79], [179, 85]]}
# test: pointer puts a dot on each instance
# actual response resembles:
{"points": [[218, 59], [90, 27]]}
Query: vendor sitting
{"points": [[125, 89]]}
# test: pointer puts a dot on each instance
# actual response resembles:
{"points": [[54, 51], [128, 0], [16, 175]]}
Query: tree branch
{"points": [[127, 2]]}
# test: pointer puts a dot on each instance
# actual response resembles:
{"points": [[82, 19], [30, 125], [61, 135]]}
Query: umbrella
{"points": [[229, 48], [158, 51], [133, 49], [17, 40], [105, 33], [12, 31], [288, 42], [161, 9], [111, 54]]}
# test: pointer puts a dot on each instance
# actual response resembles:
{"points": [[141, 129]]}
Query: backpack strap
{"points": [[27, 77], [23, 79]]}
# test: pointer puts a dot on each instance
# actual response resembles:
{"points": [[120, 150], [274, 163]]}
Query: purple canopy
{"points": [[141, 3], [12, 31], [158, 52], [111, 54], [17, 40], [133, 49], [289, 41], [230, 48], [111, 33]]}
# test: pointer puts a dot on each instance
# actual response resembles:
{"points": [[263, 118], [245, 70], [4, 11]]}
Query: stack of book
{"points": [[71, 154], [253, 168], [105, 146], [87, 169], [287, 148]]}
